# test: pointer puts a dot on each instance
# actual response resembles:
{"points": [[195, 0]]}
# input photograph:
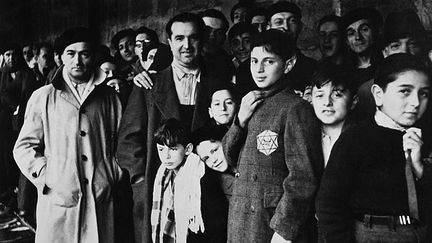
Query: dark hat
{"points": [[74, 35], [402, 24], [280, 7], [241, 28], [212, 132], [10, 46], [120, 35], [362, 13]]}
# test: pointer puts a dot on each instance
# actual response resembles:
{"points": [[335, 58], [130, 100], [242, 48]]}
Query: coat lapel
{"points": [[165, 95]]}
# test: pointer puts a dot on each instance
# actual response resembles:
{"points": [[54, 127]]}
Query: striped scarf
{"points": [[162, 215]]}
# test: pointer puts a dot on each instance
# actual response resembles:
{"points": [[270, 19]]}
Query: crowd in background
{"points": [[191, 141]]}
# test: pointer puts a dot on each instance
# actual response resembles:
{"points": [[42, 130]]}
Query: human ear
{"points": [[377, 93], [289, 64], [210, 112], [189, 148], [354, 102]]}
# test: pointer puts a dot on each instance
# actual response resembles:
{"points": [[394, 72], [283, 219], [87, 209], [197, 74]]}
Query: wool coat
{"points": [[278, 167], [66, 149], [137, 150]]}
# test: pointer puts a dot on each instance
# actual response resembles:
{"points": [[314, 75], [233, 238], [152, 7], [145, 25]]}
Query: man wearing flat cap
{"points": [[67, 144], [361, 27]]}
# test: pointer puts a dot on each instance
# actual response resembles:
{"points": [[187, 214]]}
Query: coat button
{"points": [[254, 177], [85, 181], [252, 208], [34, 175], [84, 158], [237, 175], [82, 133]]}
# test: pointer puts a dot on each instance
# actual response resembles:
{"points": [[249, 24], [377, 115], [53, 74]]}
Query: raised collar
{"points": [[385, 121]]}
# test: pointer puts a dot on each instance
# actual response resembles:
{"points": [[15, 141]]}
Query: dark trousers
{"points": [[27, 199], [387, 234]]}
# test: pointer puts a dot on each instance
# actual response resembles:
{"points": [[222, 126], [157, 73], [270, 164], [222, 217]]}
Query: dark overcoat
{"points": [[137, 150]]}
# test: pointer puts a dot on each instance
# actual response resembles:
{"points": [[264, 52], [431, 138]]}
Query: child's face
{"points": [[222, 107], [240, 46], [266, 68], [211, 153], [331, 104], [405, 99], [171, 157]]}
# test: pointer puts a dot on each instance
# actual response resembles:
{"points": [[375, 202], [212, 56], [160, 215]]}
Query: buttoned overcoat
{"points": [[66, 149]]}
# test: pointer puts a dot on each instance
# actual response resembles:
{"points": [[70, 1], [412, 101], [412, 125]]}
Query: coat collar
{"points": [[59, 83]]}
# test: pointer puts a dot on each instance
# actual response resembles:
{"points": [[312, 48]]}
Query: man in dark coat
{"points": [[17, 82], [181, 92]]}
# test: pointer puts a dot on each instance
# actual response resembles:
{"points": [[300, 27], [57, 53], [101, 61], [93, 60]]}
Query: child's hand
{"points": [[412, 143], [248, 105]]}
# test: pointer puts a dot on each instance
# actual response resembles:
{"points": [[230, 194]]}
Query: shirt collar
{"points": [[384, 120], [180, 71]]}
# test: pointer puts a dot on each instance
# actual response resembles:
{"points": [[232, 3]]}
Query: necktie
{"points": [[412, 194]]}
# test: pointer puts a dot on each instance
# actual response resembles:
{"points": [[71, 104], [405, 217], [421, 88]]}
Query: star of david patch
{"points": [[267, 142]]}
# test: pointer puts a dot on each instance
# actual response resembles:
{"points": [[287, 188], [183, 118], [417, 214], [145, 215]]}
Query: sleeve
{"points": [[335, 217], [132, 145], [232, 142], [301, 151], [426, 180], [28, 151]]}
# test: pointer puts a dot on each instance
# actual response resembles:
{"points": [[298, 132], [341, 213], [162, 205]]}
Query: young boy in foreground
{"points": [[280, 153]]}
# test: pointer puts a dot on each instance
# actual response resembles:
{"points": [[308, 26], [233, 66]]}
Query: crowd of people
{"points": [[191, 141]]}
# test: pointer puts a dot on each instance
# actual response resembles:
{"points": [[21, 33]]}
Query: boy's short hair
{"points": [[187, 18], [327, 72], [214, 13], [244, 5], [223, 86], [212, 133], [395, 64], [277, 42], [241, 28], [120, 35], [257, 12], [331, 18], [151, 33], [172, 132]]}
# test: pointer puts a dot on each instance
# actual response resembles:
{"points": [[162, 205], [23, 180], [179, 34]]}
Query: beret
{"points": [[362, 13], [74, 35], [402, 24], [10, 46], [280, 7]]}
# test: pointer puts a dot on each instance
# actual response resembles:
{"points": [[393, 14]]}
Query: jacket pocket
{"points": [[62, 199]]}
